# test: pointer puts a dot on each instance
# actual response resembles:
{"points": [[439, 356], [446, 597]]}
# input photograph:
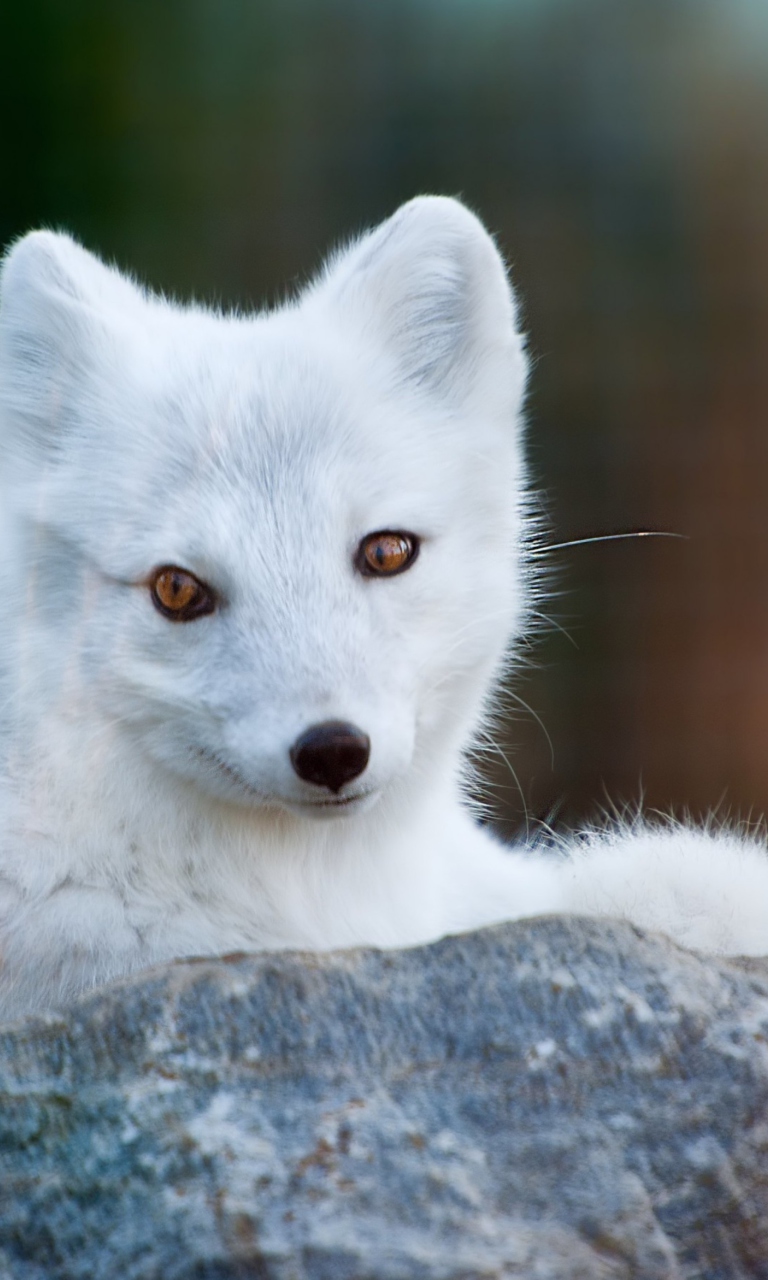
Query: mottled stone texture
{"points": [[546, 1100]]}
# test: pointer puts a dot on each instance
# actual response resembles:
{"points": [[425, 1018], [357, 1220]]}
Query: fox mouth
{"points": [[329, 807], [325, 807], [331, 804]]}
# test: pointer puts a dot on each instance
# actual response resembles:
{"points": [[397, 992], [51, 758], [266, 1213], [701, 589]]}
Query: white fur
{"points": [[149, 807]]}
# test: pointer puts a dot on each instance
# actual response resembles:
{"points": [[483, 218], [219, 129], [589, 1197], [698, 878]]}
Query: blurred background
{"points": [[619, 151]]}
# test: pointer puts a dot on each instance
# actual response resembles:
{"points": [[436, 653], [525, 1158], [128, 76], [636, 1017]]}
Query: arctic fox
{"points": [[259, 578]]}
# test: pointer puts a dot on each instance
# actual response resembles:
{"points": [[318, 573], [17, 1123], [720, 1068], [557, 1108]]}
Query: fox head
{"points": [[280, 555]]}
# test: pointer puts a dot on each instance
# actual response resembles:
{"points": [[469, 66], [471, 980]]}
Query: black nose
{"points": [[331, 754]]}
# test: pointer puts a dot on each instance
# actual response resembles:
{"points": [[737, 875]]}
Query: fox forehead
{"points": [[261, 422]]}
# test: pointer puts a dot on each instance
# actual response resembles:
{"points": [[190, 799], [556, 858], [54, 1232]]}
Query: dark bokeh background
{"points": [[619, 149]]}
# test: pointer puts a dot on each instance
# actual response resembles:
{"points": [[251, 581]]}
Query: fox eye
{"points": [[382, 555], [179, 595]]}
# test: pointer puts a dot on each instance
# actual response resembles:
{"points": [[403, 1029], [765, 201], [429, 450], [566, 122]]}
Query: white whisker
{"points": [[607, 537]]}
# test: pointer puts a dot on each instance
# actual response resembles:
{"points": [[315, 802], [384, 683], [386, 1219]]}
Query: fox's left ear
{"points": [[58, 305], [430, 286]]}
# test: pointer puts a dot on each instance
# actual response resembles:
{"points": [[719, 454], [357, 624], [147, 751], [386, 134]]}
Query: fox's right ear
{"points": [[55, 305], [430, 287]]}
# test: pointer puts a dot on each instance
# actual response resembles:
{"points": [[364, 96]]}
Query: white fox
{"points": [[259, 576]]}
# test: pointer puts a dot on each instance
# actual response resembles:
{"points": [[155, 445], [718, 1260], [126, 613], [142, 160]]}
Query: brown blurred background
{"points": [[619, 149]]}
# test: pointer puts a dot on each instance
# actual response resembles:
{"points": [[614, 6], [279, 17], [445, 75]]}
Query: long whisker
{"points": [[509, 693], [607, 537], [552, 622], [485, 741]]}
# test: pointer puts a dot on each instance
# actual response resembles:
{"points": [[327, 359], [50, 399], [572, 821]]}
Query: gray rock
{"points": [[554, 1099]]}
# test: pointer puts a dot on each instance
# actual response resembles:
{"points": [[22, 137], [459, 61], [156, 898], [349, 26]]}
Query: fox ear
{"points": [[430, 284], [55, 301]]}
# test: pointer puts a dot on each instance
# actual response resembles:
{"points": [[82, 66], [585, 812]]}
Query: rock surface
{"points": [[550, 1100]]}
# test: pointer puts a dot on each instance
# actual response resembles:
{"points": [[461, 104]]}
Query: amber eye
{"points": [[382, 555], [179, 595]]}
